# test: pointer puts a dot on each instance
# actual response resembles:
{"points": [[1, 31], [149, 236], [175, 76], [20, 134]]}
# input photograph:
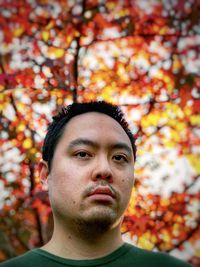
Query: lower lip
{"points": [[101, 197]]}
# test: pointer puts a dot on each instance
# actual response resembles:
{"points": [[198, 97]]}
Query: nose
{"points": [[102, 170]]}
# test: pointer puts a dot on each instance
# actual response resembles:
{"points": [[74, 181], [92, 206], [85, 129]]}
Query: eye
{"points": [[82, 155], [120, 158]]}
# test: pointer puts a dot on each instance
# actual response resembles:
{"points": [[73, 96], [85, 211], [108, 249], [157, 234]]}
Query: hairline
{"points": [[76, 115]]}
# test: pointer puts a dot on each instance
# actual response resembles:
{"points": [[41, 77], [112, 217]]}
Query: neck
{"points": [[68, 243]]}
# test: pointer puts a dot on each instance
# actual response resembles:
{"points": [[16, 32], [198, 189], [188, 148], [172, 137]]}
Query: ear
{"points": [[43, 173]]}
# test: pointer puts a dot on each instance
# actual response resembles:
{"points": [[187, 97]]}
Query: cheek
{"points": [[68, 180], [64, 194], [127, 185], [128, 177]]}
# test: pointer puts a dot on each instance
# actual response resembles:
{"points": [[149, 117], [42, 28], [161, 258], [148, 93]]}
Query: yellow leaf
{"points": [[195, 119], [27, 143], [45, 35], [21, 127], [169, 143], [133, 201], [150, 120], [1, 87], [111, 5], [181, 126], [21, 106], [175, 136], [144, 241], [164, 202], [197, 252], [124, 12], [56, 52], [49, 25], [166, 236], [153, 239], [194, 161], [120, 70], [176, 63], [164, 30], [187, 111], [18, 31], [69, 39]]}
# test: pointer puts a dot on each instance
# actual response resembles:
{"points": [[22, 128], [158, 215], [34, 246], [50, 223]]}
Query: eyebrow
{"points": [[87, 142], [122, 145], [82, 141]]}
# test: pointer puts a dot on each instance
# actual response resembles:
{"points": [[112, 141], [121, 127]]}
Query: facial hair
{"points": [[100, 220]]}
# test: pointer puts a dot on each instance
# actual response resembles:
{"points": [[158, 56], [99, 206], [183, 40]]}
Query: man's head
{"points": [[56, 128], [88, 163]]}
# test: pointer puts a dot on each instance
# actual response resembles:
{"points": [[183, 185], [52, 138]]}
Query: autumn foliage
{"points": [[141, 55]]}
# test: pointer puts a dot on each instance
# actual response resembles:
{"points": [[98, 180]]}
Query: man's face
{"points": [[91, 177]]}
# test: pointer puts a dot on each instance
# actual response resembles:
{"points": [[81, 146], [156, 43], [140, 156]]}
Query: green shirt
{"points": [[126, 255]]}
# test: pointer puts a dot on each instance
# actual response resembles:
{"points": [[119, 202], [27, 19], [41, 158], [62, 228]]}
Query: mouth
{"points": [[102, 194]]}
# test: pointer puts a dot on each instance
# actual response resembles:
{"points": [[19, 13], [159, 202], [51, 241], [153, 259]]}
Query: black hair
{"points": [[57, 126]]}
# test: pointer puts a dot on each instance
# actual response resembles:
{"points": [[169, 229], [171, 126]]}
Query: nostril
{"points": [[104, 176]]}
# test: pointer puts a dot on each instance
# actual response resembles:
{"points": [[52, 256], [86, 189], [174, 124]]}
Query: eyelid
{"points": [[124, 156], [88, 154]]}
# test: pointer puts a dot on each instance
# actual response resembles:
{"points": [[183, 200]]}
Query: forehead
{"points": [[95, 125]]}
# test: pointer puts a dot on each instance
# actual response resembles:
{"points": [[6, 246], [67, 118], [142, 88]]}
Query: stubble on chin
{"points": [[91, 227], [96, 218], [92, 230]]}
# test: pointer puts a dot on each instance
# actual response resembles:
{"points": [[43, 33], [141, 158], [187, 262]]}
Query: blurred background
{"points": [[141, 55]]}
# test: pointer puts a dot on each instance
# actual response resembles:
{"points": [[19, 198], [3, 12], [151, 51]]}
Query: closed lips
{"points": [[102, 191]]}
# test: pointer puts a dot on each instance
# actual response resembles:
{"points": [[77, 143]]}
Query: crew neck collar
{"points": [[91, 262]]}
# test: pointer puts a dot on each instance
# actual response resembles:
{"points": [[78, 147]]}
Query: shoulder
{"points": [[142, 256], [26, 260]]}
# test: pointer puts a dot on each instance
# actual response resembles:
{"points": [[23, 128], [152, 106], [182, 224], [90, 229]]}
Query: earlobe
{"points": [[43, 173]]}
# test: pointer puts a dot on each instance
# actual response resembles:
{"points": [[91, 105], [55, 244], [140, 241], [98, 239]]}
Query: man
{"points": [[88, 161]]}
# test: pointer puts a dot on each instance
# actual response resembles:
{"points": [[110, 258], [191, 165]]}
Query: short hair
{"points": [[56, 127]]}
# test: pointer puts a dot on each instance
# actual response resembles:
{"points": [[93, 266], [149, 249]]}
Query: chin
{"points": [[96, 223]]}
